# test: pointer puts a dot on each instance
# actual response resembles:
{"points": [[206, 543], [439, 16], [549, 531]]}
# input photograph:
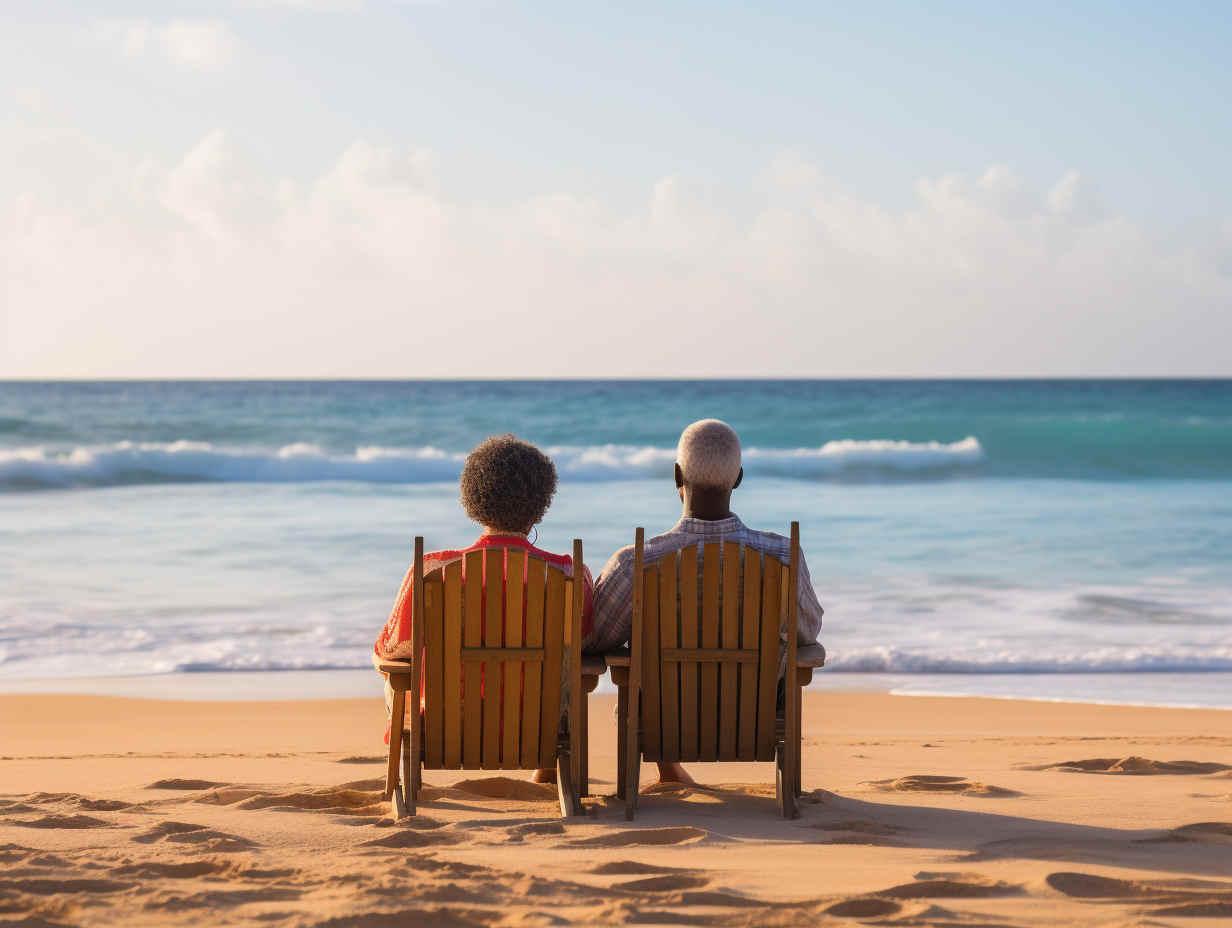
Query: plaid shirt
{"points": [[613, 619]]}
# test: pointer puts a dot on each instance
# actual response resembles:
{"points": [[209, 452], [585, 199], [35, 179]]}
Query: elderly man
{"points": [[707, 470]]}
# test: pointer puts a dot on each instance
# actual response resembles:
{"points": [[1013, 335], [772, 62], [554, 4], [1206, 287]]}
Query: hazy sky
{"points": [[368, 189]]}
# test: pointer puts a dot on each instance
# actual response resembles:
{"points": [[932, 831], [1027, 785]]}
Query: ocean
{"points": [[1039, 539]]}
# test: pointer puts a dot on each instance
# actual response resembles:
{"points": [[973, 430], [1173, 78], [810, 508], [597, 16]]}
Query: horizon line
{"points": [[766, 378]]}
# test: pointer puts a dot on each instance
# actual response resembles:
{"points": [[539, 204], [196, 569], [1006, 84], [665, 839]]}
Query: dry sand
{"points": [[918, 811]]}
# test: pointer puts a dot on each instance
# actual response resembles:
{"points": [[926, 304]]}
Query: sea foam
{"points": [[128, 463]]}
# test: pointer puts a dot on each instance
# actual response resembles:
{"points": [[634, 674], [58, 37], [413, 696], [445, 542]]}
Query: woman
{"points": [[506, 486]]}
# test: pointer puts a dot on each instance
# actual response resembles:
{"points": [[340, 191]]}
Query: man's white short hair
{"points": [[709, 454]]}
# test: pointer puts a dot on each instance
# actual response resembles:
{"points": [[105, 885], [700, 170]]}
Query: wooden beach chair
{"points": [[494, 662], [700, 680]]}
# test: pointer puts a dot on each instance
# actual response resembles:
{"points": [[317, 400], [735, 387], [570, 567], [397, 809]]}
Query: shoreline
{"points": [[316, 685]]}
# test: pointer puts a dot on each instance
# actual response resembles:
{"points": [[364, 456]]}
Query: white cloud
{"points": [[208, 266], [325, 6], [191, 44]]}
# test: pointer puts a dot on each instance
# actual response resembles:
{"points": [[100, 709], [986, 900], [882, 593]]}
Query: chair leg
{"points": [[566, 793], [409, 765], [634, 779], [784, 774], [393, 785], [622, 726], [799, 740], [584, 721]]}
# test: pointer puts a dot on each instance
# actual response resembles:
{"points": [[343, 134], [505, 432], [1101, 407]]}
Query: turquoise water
{"points": [[1073, 538]]}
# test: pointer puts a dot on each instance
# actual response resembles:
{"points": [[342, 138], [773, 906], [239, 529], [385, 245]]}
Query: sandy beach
{"points": [[917, 811]]}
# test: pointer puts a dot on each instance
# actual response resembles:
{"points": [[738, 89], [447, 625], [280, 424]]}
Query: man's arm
{"points": [[613, 616], [809, 612]]}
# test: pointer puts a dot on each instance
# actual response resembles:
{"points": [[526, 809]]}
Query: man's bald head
{"points": [[708, 455]]}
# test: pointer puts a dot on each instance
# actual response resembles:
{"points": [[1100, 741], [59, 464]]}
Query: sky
{"points": [[354, 188]]}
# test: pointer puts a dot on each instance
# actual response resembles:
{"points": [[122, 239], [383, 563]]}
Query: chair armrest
{"points": [[593, 665], [618, 658], [394, 667], [811, 655]]}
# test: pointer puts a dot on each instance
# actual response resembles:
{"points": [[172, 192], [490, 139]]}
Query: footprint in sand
{"points": [[56, 887], [188, 833], [185, 784], [864, 908], [929, 783], [632, 868], [63, 821], [950, 886], [647, 837], [372, 784], [429, 836], [223, 898], [669, 883], [506, 788], [1195, 896], [860, 832], [529, 829], [1135, 766], [1197, 833], [325, 799], [181, 871]]}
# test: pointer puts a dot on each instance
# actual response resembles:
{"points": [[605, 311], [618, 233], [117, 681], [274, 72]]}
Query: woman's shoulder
{"points": [[561, 560]]}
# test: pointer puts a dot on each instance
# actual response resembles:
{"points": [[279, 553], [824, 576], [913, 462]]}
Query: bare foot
{"points": [[544, 775], [674, 773]]}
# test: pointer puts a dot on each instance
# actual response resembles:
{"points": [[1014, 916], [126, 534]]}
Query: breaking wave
{"points": [[132, 463]]}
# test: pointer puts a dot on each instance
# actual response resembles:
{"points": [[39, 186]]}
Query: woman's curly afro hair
{"points": [[507, 484]]}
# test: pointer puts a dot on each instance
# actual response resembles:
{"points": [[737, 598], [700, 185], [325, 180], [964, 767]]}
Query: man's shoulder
{"points": [[654, 548], [768, 542]]}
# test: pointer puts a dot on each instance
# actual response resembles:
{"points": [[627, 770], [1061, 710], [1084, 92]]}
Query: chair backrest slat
{"points": [[729, 673], [710, 653], [511, 728], [553, 656], [750, 638], [686, 585], [451, 660], [493, 637], [669, 674], [651, 681], [767, 678], [533, 679], [472, 673], [708, 723], [434, 684]]}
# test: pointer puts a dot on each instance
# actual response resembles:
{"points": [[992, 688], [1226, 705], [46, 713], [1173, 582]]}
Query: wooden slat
{"points": [[577, 699], [708, 706], [792, 694], [511, 730], [688, 639], [651, 678], [472, 674], [493, 635], [434, 688], [711, 656], [533, 679], [500, 655], [729, 675], [633, 746], [418, 625], [750, 637], [397, 712], [669, 674], [553, 656], [452, 661], [768, 672]]}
